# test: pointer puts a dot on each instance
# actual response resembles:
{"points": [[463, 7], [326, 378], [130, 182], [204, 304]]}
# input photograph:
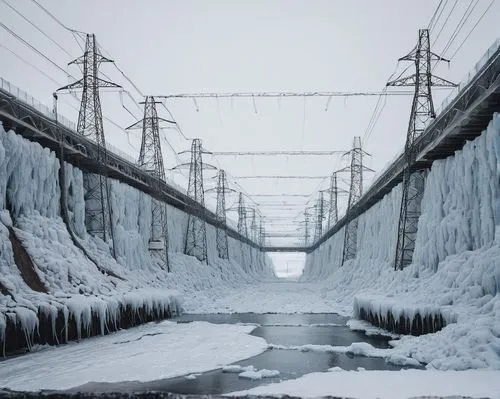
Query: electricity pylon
{"points": [[422, 111], [332, 205], [320, 216], [221, 238], [97, 206], [196, 234], [242, 216], [151, 160], [355, 192]]}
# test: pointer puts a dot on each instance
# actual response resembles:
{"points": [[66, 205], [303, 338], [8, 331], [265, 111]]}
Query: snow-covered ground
{"points": [[387, 384], [274, 296], [144, 353]]}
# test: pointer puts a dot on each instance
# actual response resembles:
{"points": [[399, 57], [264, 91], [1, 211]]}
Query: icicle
{"points": [[196, 105], [328, 103]]}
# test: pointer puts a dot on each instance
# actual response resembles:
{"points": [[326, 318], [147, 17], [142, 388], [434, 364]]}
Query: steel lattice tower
{"points": [[332, 205], [253, 226], [422, 111], [151, 160], [262, 233], [196, 236], [97, 206], [242, 217], [222, 243], [306, 227], [320, 216], [355, 193]]}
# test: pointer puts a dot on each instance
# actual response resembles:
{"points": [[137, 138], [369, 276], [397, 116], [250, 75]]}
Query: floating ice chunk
{"points": [[258, 374], [235, 368]]}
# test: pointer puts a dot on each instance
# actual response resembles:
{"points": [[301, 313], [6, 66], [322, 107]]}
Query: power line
{"points": [[30, 64], [19, 38], [281, 177], [434, 20], [459, 27], [444, 23], [285, 94], [55, 18], [275, 153], [473, 28], [281, 195], [36, 27]]}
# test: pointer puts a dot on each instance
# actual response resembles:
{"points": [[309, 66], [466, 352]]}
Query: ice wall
{"points": [[455, 275], [376, 241], [82, 283], [460, 212], [461, 204]]}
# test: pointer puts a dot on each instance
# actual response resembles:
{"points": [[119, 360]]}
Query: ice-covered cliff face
{"points": [[28, 177], [30, 195], [460, 212], [461, 204], [456, 263]]}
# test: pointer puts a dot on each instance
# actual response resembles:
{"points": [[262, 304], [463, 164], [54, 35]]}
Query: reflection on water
{"points": [[322, 335], [281, 329], [265, 318]]}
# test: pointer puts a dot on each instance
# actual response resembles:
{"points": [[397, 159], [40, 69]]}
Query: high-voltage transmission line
{"points": [[221, 234], [320, 216], [282, 177], [355, 192], [276, 153], [151, 160], [97, 204], [333, 193], [242, 216], [281, 195], [196, 234], [262, 233], [243, 223], [286, 94], [333, 190], [422, 111], [307, 224]]}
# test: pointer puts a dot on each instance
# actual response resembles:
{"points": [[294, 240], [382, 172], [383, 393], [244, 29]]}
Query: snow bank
{"points": [[456, 268], [356, 348], [404, 318], [168, 349], [386, 384]]}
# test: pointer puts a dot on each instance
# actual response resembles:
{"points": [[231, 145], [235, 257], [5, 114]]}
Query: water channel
{"points": [[278, 329]]}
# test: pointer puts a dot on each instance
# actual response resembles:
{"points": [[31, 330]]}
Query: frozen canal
{"points": [[279, 330]]}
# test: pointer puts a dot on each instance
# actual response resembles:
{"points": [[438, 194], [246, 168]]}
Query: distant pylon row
{"points": [[98, 218]]}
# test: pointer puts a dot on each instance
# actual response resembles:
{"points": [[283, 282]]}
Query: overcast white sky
{"points": [[169, 47]]}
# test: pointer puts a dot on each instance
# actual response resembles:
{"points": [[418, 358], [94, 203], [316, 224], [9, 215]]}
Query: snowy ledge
{"points": [[400, 316], [55, 320]]}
